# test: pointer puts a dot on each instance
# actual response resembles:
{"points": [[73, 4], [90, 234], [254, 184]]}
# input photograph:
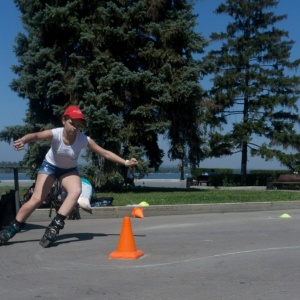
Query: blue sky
{"points": [[13, 108]]}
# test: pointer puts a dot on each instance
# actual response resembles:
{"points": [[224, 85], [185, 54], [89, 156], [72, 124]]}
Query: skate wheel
{"points": [[44, 242]]}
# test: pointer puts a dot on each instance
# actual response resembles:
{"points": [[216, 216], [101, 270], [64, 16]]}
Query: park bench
{"points": [[202, 179], [286, 179]]}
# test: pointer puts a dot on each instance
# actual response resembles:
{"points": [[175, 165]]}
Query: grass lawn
{"points": [[168, 196], [194, 196]]}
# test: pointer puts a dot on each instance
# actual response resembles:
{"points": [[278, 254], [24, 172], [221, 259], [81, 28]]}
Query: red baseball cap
{"points": [[74, 112]]}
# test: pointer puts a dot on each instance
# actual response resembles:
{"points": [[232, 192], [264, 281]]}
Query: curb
{"points": [[41, 215]]}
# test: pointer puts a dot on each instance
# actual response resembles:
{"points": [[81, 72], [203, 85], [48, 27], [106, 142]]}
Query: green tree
{"points": [[121, 62], [176, 44], [253, 82]]}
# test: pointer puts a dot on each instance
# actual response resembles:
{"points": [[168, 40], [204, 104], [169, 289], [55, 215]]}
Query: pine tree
{"points": [[182, 102], [121, 62], [253, 81]]}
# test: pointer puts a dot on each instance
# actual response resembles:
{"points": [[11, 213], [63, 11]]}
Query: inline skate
{"points": [[51, 232], [9, 231]]}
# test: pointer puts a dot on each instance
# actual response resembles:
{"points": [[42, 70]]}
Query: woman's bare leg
{"points": [[42, 188], [72, 184]]}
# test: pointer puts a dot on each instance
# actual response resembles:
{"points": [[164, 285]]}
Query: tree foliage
{"points": [[254, 84], [127, 64]]}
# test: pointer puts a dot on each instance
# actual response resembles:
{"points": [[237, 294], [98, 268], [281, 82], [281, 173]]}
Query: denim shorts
{"points": [[54, 171]]}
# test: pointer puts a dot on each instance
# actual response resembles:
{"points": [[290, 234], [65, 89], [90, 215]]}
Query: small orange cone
{"points": [[137, 212], [126, 247]]}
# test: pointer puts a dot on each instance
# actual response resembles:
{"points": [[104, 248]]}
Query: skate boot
{"points": [[51, 232], [9, 231]]}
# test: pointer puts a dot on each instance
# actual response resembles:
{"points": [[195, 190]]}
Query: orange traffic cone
{"points": [[126, 246], [137, 212]]}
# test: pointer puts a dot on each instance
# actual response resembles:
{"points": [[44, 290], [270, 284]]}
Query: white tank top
{"points": [[65, 156]]}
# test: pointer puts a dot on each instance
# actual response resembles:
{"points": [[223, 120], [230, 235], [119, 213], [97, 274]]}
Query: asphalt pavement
{"points": [[213, 256], [245, 251]]}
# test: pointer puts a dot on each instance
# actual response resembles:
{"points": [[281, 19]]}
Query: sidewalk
{"points": [[177, 183], [164, 183], [12, 183]]}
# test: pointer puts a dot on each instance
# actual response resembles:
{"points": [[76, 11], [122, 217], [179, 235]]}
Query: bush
{"points": [[225, 177]]}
